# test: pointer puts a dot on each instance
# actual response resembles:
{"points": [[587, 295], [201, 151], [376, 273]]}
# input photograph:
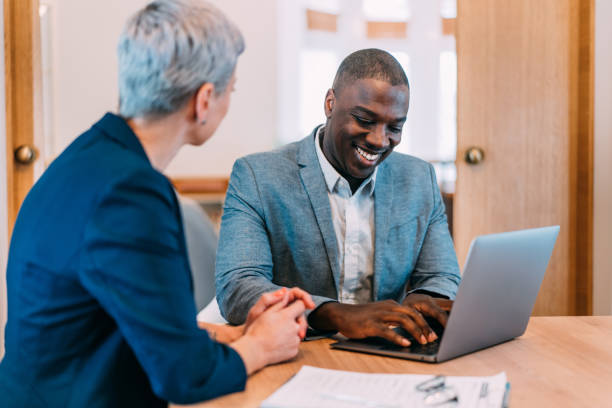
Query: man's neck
{"points": [[354, 183]]}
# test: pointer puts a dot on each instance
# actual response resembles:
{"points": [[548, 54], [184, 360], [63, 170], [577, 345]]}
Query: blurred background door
{"points": [[23, 83], [525, 134]]}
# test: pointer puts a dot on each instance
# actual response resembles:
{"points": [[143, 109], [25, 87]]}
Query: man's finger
{"points": [[415, 315], [418, 317], [391, 335], [407, 322], [433, 310]]}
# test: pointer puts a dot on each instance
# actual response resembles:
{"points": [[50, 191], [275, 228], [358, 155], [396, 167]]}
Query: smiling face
{"points": [[364, 124]]}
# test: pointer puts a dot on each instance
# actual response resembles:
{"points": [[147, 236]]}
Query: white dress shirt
{"points": [[353, 219]]}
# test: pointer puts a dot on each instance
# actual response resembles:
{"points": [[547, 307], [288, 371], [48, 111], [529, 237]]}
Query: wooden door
{"points": [[23, 98], [525, 97]]}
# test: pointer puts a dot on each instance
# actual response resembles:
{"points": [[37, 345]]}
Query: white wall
{"points": [[251, 123], [602, 247], [84, 37], [3, 194], [83, 68]]}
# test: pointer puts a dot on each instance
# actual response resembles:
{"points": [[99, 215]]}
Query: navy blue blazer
{"points": [[100, 304]]}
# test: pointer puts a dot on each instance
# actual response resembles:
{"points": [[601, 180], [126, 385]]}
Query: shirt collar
{"points": [[331, 175]]}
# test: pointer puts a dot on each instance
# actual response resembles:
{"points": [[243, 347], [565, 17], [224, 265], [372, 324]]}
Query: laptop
{"points": [[500, 283]]}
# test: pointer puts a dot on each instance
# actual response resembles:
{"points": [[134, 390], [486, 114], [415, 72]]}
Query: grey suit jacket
{"points": [[277, 231]]}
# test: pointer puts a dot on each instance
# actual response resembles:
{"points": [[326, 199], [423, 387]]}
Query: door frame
{"points": [[23, 78], [582, 118]]}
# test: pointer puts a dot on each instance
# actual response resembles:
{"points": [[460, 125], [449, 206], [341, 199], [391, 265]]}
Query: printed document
{"points": [[322, 388]]}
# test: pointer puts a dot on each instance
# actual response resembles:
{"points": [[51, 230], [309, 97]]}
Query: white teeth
{"points": [[367, 156]]}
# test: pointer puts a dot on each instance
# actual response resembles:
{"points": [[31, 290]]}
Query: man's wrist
{"points": [[324, 317]]}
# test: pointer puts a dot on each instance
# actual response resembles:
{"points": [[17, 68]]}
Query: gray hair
{"points": [[168, 50]]}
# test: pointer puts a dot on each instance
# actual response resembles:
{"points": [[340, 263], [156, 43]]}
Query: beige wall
{"points": [[84, 36], [602, 261], [3, 197]]}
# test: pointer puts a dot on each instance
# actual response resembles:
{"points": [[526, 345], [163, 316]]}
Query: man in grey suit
{"points": [[360, 228]]}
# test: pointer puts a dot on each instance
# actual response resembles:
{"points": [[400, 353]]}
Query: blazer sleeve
{"points": [[244, 267], [136, 266], [436, 268]]}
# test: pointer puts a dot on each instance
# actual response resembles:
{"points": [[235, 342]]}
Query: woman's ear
{"points": [[203, 100]]}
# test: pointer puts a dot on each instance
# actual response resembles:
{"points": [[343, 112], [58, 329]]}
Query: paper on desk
{"points": [[323, 388]]}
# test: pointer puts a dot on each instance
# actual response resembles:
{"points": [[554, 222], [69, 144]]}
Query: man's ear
{"points": [[330, 100], [203, 100]]}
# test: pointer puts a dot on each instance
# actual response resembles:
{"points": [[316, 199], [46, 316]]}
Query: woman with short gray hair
{"points": [[100, 303], [168, 50]]}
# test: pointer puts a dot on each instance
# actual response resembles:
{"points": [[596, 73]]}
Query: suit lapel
{"points": [[383, 197], [314, 184]]}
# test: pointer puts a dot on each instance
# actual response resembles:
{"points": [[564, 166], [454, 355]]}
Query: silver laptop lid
{"points": [[500, 283]]}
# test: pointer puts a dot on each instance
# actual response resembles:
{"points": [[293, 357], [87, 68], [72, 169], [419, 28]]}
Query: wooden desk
{"points": [[559, 362]]}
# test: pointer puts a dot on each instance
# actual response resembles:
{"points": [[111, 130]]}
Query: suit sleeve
{"points": [[436, 269], [137, 269], [244, 267]]}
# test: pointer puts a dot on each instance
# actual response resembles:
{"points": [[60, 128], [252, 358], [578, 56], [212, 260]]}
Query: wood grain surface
{"points": [[558, 362]]}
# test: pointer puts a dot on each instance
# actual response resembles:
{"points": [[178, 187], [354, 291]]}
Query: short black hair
{"points": [[370, 63]]}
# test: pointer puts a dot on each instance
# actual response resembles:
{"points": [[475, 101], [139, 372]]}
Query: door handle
{"points": [[474, 155], [25, 154]]}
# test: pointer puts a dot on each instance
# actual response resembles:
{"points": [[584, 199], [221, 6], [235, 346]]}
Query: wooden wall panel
{"points": [[448, 26], [519, 98], [317, 20], [201, 185], [387, 29]]}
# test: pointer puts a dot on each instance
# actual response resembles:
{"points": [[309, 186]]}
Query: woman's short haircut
{"points": [[168, 50]]}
